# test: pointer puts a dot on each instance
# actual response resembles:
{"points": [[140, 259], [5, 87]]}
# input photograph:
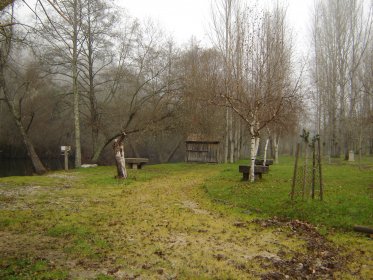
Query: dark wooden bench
{"points": [[260, 162], [258, 171], [136, 163]]}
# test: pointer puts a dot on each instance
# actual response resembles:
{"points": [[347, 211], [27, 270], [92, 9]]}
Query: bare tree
{"points": [[143, 91], [226, 15], [60, 40], [12, 97], [267, 87], [341, 34]]}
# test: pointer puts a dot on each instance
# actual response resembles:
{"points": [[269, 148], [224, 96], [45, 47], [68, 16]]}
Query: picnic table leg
{"points": [[134, 165], [245, 176]]}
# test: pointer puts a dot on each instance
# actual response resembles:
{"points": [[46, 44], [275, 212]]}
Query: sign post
{"points": [[65, 151]]}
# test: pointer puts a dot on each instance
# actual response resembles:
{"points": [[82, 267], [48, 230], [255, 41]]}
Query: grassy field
{"points": [[348, 194], [184, 221]]}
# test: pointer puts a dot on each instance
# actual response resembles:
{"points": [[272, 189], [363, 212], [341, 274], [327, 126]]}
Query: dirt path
{"points": [[165, 228], [169, 228]]}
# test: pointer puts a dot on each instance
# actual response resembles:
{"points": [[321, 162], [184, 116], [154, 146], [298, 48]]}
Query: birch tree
{"points": [[225, 14], [266, 70]]}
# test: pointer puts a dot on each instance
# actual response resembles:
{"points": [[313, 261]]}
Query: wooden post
{"points": [[305, 166], [295, 171], [66, 155], [320, 173], [313, 169]]}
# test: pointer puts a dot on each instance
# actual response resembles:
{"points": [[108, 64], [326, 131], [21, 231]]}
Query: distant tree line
{"points": [[342, 75], [79, 72]]}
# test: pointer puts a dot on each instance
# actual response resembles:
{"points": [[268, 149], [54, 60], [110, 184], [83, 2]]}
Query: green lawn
{"points": [[348, 194], [184, 221]]}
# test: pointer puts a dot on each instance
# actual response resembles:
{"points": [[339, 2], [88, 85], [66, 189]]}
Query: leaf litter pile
{"points": [[320, 260]]}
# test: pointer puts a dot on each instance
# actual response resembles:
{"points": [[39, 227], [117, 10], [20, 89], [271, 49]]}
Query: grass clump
{"points": [[12, 269]]}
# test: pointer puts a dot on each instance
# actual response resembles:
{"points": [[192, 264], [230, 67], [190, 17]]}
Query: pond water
{"points": [[23, 167]]}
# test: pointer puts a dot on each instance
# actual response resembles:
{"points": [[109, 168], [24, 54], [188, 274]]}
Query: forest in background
{"points": [[79, 72]]}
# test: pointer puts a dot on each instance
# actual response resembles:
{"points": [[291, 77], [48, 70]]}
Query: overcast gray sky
{"points": [[184, 18]]}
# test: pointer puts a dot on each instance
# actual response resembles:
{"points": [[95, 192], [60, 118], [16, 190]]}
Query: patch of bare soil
{"points": [[320, 261], [194, 207], [21, 197], [61, 176]]}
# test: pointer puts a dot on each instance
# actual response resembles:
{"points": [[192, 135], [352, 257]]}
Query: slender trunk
{"points": [[313, 170], [231, 138], [91, 94], [295, 171], [320, 170], [226, 147], [78, 153], [239, 140], [100, 147], [277, 143], [265, 152], [257, 142], [252, 153], [305, 172], [173, 151]]}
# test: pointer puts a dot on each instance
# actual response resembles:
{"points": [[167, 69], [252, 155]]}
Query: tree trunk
{"points": [[277, 143], [36, 162], [78, 153], [173, 151], [265, 152], [119, 157], [226, 146], [4, 54], [231, 137], [252, 153]]}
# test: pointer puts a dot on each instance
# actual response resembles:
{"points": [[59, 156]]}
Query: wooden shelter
{"points": [[201, 149]]}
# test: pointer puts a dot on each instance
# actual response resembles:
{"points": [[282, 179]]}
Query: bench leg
{"points": [[245, 176], [134, 165]]}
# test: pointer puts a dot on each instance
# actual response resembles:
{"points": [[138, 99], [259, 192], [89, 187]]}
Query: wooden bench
{"points": [[258, 171], [260, 162], [136, 163]]}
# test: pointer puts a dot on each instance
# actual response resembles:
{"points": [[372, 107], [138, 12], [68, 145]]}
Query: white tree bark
{"points": [[277, 143], [119, 156], [253, 150], [265, 153]]}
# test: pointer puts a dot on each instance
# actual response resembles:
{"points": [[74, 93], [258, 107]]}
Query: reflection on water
{"points": [[23, 167]]}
